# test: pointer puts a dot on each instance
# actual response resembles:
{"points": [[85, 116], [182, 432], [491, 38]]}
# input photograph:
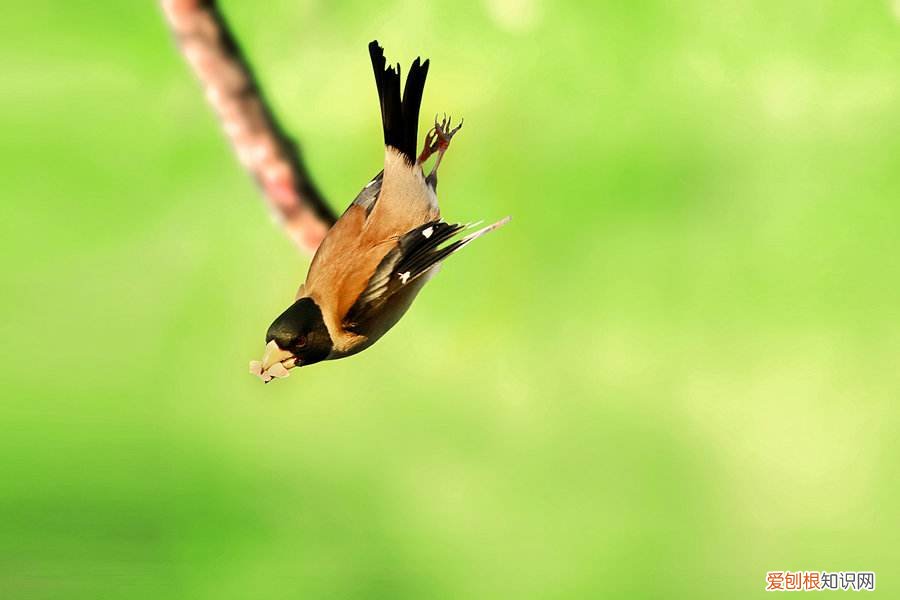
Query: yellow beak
{"points": [[274, 354]]}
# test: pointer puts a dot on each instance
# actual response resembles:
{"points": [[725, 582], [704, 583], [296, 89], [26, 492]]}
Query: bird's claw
{"points": [[430, 145], [437, 140], [444, 131]]}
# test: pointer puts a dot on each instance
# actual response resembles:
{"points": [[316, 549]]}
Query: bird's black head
{"points": [[301, 331]]}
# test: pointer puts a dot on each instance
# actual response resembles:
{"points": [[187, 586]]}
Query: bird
{"points": [[383, 249]]}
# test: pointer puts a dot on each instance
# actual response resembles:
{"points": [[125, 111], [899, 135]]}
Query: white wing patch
{"points": [[404, 277], [427, 232]]}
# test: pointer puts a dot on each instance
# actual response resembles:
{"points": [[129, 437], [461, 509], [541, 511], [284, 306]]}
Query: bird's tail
{"points": [[399, 115]]}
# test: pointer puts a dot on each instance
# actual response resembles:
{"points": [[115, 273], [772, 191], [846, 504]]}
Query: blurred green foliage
{"points": [[676, 369]]}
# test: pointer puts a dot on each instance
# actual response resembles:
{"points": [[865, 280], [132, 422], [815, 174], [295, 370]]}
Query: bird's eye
{"points": [[301, 341]]}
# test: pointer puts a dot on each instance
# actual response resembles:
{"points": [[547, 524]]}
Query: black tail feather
{"points": [[399, 115], [412, 100]]}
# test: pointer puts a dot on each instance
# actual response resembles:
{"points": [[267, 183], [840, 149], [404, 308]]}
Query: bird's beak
{"points": [[275, 363], [274, 354]]}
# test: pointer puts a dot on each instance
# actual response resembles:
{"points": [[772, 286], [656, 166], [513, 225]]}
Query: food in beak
{"points": [[275, 363]]}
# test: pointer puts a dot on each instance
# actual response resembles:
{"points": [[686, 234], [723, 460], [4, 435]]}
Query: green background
{"points": [[676, 369]]}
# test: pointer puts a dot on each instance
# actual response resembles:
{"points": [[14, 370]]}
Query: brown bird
{"points": [[388, 243]]}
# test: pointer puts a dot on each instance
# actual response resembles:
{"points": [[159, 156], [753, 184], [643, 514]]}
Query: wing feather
{"points": [[414, 255]]}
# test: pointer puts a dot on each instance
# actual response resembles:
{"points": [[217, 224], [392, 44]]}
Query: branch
{"points": [[262, 146]]}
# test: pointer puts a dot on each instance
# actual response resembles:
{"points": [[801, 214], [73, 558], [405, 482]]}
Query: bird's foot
{"points": [[443, 132], [437, 140]]}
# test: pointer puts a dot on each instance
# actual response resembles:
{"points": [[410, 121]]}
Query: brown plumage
{"points": [[382, 250]]}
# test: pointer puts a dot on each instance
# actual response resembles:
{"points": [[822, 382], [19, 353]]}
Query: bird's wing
{"points": [[369, 194], [412, 256]]}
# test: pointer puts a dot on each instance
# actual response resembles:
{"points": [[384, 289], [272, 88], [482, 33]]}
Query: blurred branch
{"points": [[262, 146]]}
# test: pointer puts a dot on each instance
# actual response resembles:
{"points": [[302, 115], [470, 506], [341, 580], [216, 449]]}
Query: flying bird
{"points": [[388, 243]]}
